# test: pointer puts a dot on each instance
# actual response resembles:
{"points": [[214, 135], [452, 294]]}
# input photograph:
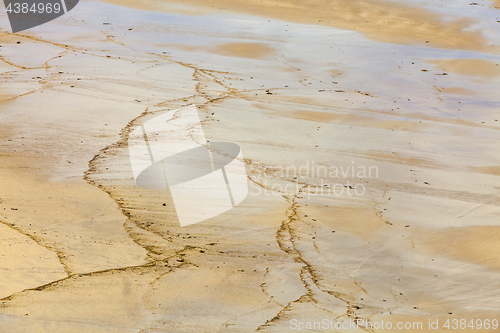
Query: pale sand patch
{"points": [[391, 263], [376, 19], [469, 67], [371, 122]]}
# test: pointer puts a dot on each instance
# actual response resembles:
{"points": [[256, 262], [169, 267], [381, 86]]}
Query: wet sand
{"points": [[376, 19], [297, 87]]}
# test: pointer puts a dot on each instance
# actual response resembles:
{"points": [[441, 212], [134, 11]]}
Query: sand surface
{"points": [[390, 108], [388, 22]]}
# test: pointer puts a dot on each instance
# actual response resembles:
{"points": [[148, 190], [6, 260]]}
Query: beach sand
{"points": [[369, 132]]}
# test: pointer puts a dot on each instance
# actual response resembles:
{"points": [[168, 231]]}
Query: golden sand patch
{"points": [[468, 67], [377, 20], [243, 50], [44, 211], [457, 91], [490, 170], [239, 50]]}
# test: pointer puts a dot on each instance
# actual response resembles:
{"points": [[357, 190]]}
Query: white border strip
{"points": [[64, 6]]}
